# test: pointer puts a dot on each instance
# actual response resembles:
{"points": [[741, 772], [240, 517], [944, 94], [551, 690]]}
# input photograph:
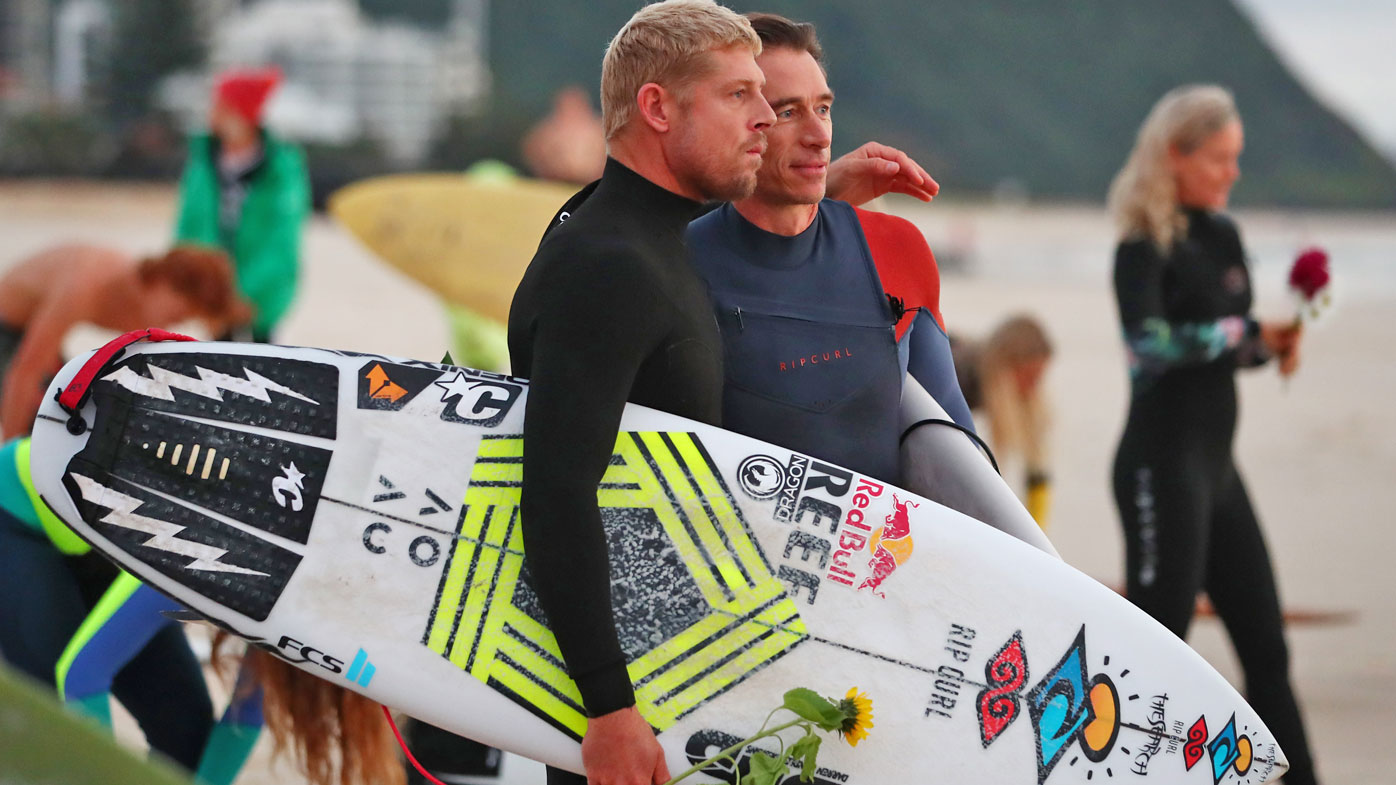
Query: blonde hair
{"points": [[1144, 196], [1018, 424], [665, 43]]}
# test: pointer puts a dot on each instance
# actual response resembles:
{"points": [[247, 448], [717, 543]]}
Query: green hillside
{"points": [[1046, 94]]}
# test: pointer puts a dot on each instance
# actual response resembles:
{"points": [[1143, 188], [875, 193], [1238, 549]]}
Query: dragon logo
{"points": [[760, 476]]}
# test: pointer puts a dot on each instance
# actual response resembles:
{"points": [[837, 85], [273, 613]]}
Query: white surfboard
{"points": [[358, 516]]}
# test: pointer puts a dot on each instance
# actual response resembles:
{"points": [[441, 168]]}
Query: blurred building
{"points": [[26, 54], [81, 43], [348, 77]]}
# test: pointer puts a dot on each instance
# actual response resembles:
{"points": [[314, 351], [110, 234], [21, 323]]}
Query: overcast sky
{"points": [[1344, 51]]}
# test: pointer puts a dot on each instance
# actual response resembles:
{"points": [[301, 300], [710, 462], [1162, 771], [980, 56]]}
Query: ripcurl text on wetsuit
{"points": [[813, 361], [1188, 522]]}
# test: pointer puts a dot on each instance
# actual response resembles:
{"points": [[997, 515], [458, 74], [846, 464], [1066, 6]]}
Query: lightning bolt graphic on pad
{"points": [[123, 513], [163, 381]]}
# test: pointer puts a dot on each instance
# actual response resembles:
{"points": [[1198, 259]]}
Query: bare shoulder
{"points": [[74, 272], [58, 260]]}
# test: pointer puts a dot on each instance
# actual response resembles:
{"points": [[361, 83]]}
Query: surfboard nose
{"points": [[1281, 764], [1271, 763], [1243, 747]]}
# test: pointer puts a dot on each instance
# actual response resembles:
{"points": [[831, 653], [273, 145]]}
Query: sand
{"points": [[1318, 454]]}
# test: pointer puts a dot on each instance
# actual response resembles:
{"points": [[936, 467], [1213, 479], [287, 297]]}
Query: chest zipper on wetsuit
{"points": [[742, 314]]}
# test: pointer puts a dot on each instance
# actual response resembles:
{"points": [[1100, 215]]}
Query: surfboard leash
{"points": [[72, 397], [403, 744]]}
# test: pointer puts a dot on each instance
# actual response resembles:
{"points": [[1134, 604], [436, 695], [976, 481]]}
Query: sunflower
{"points": [[857, 716]]}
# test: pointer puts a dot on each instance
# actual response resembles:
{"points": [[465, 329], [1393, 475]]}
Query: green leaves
{"points": [[806, 749], [813, 712], [765, 770], [810, 705]]}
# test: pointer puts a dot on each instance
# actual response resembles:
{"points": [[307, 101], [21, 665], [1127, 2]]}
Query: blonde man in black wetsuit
{"points": [[609, 311]]}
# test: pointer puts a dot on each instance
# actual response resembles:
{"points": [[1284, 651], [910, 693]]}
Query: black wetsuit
{"points": [[1188, 522], [608, 311]]}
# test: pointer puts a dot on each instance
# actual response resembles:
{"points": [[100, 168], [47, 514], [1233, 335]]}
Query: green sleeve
{"points": [[197, 217], [269, 251]]}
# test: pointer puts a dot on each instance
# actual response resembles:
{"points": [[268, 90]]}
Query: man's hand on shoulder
{"points": [[620, 749], [876, 169]]}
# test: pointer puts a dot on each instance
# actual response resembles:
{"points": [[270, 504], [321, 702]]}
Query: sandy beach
{"points": [[1316, 452]]}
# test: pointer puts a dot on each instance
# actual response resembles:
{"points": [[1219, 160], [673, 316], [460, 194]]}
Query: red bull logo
{"points": [[890, 545]]}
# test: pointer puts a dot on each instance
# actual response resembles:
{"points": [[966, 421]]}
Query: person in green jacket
{"points": [[248, 192]]}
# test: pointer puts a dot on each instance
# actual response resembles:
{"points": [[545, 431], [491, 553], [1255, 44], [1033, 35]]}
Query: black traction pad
{"points": [[223, 563], [264, 482], [302, 397]]}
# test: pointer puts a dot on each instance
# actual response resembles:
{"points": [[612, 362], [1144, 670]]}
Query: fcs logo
{"points": [[760, 476], [289, 487], [360, 670]]}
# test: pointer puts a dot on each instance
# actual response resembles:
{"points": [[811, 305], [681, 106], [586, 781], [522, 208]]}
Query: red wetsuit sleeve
{"points": [[904, 263]]}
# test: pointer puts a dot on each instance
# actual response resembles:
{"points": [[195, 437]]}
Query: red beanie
{"points": [[245, 90]]}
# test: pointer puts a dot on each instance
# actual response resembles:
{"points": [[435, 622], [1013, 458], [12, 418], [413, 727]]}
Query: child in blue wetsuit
{"points": [[74, 621]]}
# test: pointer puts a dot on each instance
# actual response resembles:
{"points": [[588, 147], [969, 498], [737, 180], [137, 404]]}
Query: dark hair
{"points": [[775, 31], [203, 275]]}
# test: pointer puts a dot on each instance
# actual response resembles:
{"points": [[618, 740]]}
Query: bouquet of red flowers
{"points": [[1309, 281]]}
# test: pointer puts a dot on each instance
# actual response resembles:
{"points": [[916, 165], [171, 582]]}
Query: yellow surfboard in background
{"points": [[466, 237]]}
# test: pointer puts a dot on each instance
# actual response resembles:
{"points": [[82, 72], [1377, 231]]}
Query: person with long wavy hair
{"points": [[334, 736], [1001, 377], [1184, 296]]}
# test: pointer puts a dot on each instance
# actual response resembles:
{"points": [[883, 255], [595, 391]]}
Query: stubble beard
{"points": [[713, 175], [722, 180]]}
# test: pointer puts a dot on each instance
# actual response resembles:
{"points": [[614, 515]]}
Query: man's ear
{"points": [[655, 106]]}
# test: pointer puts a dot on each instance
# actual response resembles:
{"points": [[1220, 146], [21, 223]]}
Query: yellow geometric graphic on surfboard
{"points": [[668, 478]]}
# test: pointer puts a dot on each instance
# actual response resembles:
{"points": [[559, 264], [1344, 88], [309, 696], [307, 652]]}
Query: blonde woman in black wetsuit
{"points": [[1184, 295]]}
